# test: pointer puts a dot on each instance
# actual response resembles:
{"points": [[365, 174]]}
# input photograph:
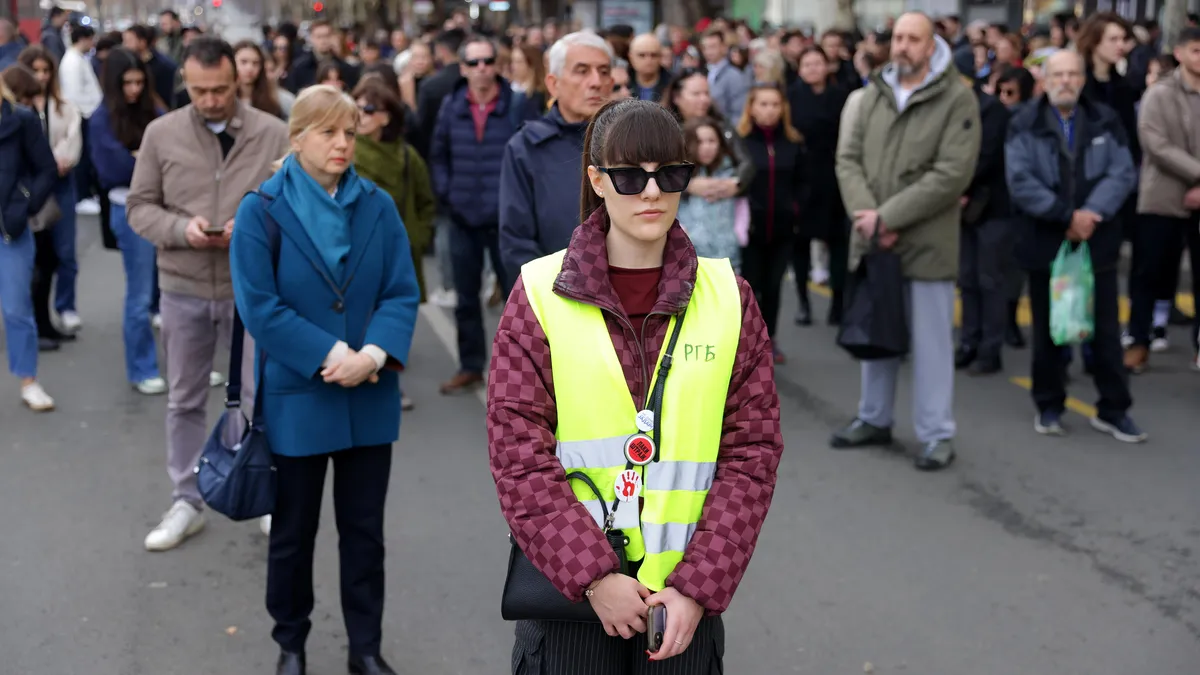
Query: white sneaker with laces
{"points": [[156, 321], [70, 321], [216, 379], [152, 386], [35, 398], [179, 523], [444, 298], [264, 524]]}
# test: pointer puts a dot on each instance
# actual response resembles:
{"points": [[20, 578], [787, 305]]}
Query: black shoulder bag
{"points": [[528, 594]]}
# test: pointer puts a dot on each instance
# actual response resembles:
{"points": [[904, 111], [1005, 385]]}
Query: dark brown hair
{"points": [[377, 93], [628, 133], [323, 69], [128, 121], [21, 81], [1092, 32], [262, 92], [691, 139], [34, 53], [673, 87], [537, 64]]}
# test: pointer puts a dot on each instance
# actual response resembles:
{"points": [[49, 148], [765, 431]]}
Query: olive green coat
{"points": [[912, 165], [399, 170]]}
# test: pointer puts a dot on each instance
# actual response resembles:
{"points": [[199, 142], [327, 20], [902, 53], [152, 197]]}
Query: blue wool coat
{"points": [[296, 318], [466, 171]]}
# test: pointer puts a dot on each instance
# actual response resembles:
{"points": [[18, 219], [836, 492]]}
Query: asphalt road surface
{"points": [[1031, 556]]}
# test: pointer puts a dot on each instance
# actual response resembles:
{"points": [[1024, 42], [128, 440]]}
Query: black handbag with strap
{"points": [[528, 594]]}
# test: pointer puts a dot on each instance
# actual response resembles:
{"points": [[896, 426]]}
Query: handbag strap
{"points": [[233, 387]]}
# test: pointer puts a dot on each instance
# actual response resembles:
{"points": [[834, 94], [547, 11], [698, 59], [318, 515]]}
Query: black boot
{"points": [[369, 665], [804, 316], [290, 663], [964, 357]]}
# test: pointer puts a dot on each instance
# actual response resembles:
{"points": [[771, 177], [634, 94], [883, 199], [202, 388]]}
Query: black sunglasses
{"points": [[369, 109], [489, 61], [632, 180]]}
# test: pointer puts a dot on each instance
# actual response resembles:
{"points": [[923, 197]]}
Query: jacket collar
{"points": [[364, 222], [584, 275], [462, 107], [1038, 116], [234, 125], [553, 126]]}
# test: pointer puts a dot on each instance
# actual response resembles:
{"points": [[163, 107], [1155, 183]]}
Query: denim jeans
{"points": [[16, 303], [137, 254], [63, 234]]}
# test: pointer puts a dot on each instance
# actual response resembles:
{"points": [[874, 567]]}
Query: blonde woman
{"points": [[769, 67], [330, 299]]}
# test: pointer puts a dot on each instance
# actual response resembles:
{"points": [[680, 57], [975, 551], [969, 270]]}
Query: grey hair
{"points": [[476, 40], [620, 64], [583, 38]]}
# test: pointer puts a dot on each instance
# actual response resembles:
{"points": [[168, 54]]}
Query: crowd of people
{"points": [[974, 153]]}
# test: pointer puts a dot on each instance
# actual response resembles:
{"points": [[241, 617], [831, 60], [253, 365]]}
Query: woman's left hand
{"points": [[683, 615], [351, 371]]}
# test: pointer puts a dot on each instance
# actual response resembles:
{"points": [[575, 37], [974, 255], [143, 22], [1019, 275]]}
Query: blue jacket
{"points": [[27, 169], [9, 53], [113, 161], [466, 172], [1047, 184], [296, 318], [539, 189]]}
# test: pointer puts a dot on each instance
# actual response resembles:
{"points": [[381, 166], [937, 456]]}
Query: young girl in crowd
{"points": [[713, 224], [56, 245], [776, 193], [115, 135]]}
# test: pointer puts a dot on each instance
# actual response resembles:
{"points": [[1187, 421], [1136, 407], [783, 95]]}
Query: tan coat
{"points": [[180, 173], [1170, 137]]}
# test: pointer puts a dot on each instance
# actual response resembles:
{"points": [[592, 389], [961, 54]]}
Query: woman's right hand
{"points": [[619, 601]]}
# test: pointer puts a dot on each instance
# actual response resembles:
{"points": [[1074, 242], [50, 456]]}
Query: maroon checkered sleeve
{"points": [[554, 530], [751, 445]]}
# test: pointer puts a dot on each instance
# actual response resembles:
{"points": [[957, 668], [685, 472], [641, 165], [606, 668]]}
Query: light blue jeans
{"points": [[137, 254], [63, 234], [16, 303]]}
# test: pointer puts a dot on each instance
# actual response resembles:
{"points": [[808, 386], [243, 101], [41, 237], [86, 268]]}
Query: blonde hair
{"points": [[773, 62], [318, 106]]}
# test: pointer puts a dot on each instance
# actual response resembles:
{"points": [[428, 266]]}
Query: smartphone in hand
{"points": [[214, 231], [656, 627]]}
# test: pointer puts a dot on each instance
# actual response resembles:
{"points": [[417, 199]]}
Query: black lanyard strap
{"points": [[655, 403]]}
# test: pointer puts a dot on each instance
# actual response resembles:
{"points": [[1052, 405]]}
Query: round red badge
{"points": [[639, 449]]}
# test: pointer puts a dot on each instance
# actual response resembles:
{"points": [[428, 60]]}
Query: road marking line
{"points": [[1073, 404], [448, 336]]}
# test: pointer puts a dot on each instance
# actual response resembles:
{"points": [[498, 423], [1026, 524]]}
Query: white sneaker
{"points": [[819, 276], [216, 379], [1126, 340], [181, 522], [444, 298], [406, 403], [152, 386], [156, 321], [1158, 342], [71, 323], [264, 524], [88, 207], [36, 399]]}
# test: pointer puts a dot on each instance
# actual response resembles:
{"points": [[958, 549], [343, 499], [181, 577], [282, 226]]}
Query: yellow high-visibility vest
{"points": [[596, 412]]}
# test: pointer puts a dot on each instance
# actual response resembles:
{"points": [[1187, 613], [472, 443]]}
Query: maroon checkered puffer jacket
{"points": [[553, 529]]}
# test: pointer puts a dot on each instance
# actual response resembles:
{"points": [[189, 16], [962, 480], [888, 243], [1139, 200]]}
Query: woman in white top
{"points": [[56, 245]]}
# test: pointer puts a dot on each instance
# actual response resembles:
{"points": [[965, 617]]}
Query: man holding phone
{"points": [[196, 163]]}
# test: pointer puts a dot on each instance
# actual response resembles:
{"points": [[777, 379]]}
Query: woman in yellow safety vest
{"points": [[629, 490]]}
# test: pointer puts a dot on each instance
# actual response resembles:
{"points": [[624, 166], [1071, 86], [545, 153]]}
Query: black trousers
{"points": [[839, 252], [1108, 368], [45, 263], [555, 648], [468, 245], [984, 253], [763, 267], [360, 484], [1157, 243]]}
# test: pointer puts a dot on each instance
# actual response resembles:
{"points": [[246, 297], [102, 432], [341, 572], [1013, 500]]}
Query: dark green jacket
{"points": [[399, 170]]}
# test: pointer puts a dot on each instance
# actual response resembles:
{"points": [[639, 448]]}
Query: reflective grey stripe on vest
{"points": [[627, 515], [664, 537], [597, 454], [691, 476]]}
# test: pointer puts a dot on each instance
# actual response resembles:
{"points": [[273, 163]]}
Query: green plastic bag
{"points": [[1072, 289]]}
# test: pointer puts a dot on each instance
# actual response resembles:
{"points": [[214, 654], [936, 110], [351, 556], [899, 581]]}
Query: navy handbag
{"points": [[236, 473]]}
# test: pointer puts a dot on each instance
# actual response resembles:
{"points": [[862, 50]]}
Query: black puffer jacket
{"points": [[779, 192]]}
